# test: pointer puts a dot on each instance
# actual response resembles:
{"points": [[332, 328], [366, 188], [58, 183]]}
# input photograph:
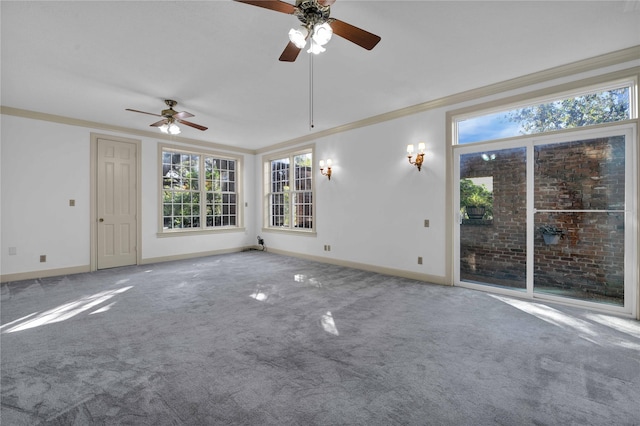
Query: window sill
{"points": [[291, 231], [185, 233]]}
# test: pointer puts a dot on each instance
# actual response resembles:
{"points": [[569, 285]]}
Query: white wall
{"points": [[46, 164], [372, 211]]}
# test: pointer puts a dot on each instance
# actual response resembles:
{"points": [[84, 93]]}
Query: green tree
{"points": [[585, 110]]}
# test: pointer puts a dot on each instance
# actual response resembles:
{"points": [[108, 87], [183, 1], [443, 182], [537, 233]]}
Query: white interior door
{"points": [[116, 203]]}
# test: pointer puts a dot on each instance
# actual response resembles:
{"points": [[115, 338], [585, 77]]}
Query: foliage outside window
{"points": [[597, 107], [290, 192], [199, 191], [475, 195]]}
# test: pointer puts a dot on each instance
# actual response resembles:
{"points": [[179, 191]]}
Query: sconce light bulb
{"points": [[421, 147], [322, 164], [328, 162], [410, 149]]}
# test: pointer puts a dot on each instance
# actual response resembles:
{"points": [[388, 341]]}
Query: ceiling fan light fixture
{"points": [[322, 33], [298, 36], [315, 48], [170, 129], [174, 129]]}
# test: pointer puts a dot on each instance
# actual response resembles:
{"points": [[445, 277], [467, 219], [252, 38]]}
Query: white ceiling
{"points": [[90, 60]]}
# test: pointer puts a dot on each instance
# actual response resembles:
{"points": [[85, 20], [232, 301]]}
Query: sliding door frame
{"points": [[631, 285]]}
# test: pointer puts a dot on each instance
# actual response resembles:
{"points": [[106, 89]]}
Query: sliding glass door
{"points": [[579, 200], [551, 217], [493, 217]]}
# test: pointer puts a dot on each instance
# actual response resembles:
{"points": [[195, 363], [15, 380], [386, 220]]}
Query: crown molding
{"points": [[5, 110], [585, 65]]}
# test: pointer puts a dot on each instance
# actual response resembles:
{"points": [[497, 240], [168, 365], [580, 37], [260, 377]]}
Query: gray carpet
{"points": [[259, 339]]}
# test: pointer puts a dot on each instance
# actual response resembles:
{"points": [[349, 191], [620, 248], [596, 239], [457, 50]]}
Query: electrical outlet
{"points": [[72, 203], [426, 223], [13, 251], [43, 258], [329, 248], [419, 260]]}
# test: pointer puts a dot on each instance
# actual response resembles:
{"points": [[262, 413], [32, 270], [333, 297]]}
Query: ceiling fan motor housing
{"points": [[169, 112], [310, 12]]}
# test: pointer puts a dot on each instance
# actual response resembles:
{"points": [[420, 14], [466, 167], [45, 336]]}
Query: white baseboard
{"points": [[45, 273], [433, 279]]}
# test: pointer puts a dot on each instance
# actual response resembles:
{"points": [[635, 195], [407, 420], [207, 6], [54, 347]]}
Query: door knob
{"points": [[101, 220]]}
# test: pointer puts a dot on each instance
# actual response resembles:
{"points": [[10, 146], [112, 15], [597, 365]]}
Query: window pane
{"points": [[586, 262], [302, 209], [279, 210], [303, 172], [579, 226], [220, 187], [493, 245], [280, 175], [581, 175], [584, 110]]}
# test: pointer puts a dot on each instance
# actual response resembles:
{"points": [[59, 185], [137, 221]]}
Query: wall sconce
{"points": [[419, 156], [322, 167]]}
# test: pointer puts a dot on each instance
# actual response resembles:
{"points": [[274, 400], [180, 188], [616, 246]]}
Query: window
{"points": [[595, 106], [199, 190], [289, 195], [559, 201]]}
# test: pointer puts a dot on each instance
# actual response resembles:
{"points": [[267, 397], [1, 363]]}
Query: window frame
{"points": [[202, 229], [504, 101], [577, 88], [266, 191]]}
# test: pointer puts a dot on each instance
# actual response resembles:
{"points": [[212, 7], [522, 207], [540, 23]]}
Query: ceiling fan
{"points": [[170, 117], [317, 26]]}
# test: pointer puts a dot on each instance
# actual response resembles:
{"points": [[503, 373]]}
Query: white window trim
{"points": [[266, 190], [630, 307], [514, 101], [573, 89], [200, 231]]}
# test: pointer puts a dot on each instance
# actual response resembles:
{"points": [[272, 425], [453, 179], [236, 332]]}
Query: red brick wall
{"points": [[586, 175]]}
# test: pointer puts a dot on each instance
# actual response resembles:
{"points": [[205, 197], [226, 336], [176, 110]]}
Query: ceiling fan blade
{"points": [[290, 53], [159, 123], [183, 114], [142, 112], [278, 6], [194, 125], [354, 34]]}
